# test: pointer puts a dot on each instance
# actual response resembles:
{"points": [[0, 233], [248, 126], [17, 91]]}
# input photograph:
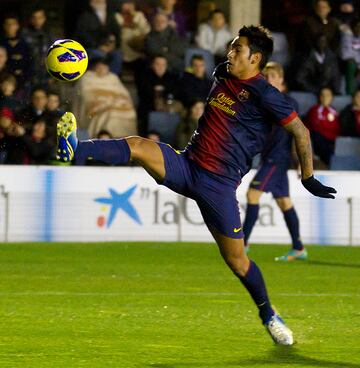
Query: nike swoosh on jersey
{"points": [[236, 230]]}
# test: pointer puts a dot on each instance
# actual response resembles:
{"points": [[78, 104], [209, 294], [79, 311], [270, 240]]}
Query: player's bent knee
{"points": [[239, 266], [284, 203]]}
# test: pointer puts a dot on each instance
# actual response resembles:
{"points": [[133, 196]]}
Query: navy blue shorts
{"points": [[214, 194], [272, 178]]}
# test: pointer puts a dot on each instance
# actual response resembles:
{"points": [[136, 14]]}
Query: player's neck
{"points": [[248, 74]]}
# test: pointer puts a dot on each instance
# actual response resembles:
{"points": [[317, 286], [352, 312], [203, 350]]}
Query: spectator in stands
{"points": [[350, 54], [319, 69], [345, 15], [35, 110], [187, 126], [134, 28], [104, 134], [19, 62], [39, 37], [156, 83], [194, 84], [38, 146], [323, 123], [7, 98], [11, 133], [163, 40], [3, 61], [107, 49], [153, 135], [320, 22], [176, 17], [104, 103], [52, 113], [350, 117], [214, 35], [96, 21]]}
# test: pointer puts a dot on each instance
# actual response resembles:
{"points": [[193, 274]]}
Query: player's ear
{"points": [[255, 58]]}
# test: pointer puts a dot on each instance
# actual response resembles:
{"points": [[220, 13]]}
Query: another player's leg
{"points": [[297, 252], [112, 151], [233, 252], [252, 213]]}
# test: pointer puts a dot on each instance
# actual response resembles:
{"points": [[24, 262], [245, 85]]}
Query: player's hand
{"points": [[317, 189]]}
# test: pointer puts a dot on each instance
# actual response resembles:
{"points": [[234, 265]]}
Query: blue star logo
{"points": [[120, 201]]}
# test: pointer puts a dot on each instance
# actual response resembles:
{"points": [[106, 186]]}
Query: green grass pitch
{"points": [[172, 306]]}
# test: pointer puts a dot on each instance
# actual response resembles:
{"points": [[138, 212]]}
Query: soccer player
{"points": [[272, 175], [237, 119]]}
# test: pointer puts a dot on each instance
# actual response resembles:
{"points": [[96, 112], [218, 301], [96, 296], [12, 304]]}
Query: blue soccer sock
{"points": [[292, 223], [255, 285], [252, 212], [109, 151]]}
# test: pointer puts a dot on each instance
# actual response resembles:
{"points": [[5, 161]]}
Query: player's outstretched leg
{"points": [[233, 252], [252, 213], [298, 251], [111, 151], [67, 141]]}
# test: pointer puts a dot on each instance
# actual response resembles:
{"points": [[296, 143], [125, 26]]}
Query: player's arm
{"points": [[303, 146], [304, 151]]}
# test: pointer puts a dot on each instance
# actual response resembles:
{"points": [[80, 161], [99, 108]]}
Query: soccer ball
{"points": [[66, 60]]}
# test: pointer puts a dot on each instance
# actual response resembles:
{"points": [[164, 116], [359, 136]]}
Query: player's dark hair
{"points": [[260, 41]]}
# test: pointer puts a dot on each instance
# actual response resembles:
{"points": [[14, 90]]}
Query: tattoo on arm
{"points": [[303, 146]]}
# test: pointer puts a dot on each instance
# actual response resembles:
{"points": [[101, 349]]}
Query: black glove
{"points": [[317, 189]]}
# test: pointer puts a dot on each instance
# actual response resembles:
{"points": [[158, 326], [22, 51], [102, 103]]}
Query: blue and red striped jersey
{"points": [[278, 145], [237, 120]]}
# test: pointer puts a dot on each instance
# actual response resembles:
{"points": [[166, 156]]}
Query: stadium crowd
{"points": [[150, 75]]}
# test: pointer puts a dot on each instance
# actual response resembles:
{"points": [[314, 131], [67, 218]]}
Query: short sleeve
{"points": [[278, 106]]}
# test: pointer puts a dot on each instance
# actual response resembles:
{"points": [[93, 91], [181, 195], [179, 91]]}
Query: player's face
{"points": [[240, 62], [274, 78]]}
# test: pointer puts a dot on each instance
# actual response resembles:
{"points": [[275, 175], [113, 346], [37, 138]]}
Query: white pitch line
{"points": [[204, 294]]}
